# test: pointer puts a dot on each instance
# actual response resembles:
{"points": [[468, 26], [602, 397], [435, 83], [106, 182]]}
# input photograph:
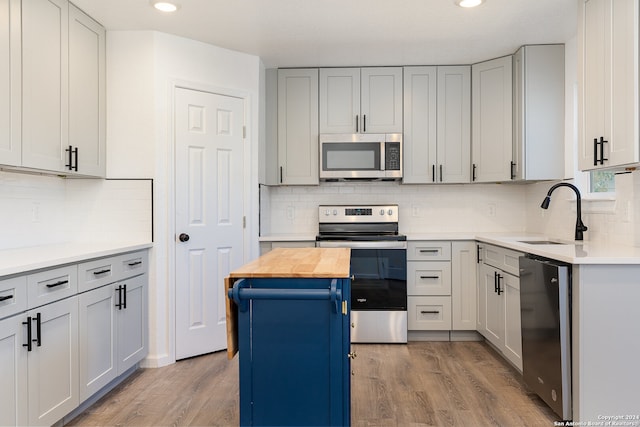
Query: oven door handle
{"points": [[387, 244]]}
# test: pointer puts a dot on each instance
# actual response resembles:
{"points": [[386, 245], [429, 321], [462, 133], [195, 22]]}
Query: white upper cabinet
{"points": [[437, 124], [87, 92], [298, 150], [10, 67], [454, 124], [361, 100], [491, 112], [45, 78], [608, 81], [52, 88], [420, 129], [538, 113]]}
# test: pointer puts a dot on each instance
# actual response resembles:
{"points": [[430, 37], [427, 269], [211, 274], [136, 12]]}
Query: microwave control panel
{"points": [[392, 156]]}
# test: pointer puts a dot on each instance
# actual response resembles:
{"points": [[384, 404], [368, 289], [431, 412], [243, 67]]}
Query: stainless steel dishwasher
{"points": [[545, 307]]}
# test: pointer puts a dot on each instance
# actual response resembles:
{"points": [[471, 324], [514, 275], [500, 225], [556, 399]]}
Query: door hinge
{"points": [[244, 132], [244, 222], [344, 307]]}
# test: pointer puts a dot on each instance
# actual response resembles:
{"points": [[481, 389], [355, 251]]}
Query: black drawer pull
{"points": [[430, 312], [131, 264], [429, 277], [6, 297], [53, 285], [108, 270], [429, 251]]}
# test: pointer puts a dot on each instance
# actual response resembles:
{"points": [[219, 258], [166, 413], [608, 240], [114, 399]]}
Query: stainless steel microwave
{"points": [[360, 156]]}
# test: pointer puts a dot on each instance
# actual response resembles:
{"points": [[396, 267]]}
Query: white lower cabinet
{"points": [[13, 372], [441, 285], [113, 334], [39, 369], [53, 361], [498, 316], [57, 349]]}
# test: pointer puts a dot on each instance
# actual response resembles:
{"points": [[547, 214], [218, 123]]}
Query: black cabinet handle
{"points": [[595, 151], [495, 281], [357, 120], [429, 251], [429, 277], [513, 170], [28, 324], [131, 264], [364, 123], [38, 339], [73, 154], [6, 297], [429, 312], [433, 173], [440, 173], [53, 285], [499, 278], [602, 142], [478, 260], [473, 173], [124, 292], [97, 273], [119, 304]]}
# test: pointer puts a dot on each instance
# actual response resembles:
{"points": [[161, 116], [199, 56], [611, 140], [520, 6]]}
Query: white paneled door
{"points": [[209, 215]]}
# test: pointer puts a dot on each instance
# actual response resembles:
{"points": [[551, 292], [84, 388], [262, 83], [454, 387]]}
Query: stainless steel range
{"points": [[378, 268]]}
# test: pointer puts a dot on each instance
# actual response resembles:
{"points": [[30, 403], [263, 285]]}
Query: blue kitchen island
{"points": [[288, 316]]}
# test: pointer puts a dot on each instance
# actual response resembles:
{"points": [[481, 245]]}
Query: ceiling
{"points": [[298, 33]]}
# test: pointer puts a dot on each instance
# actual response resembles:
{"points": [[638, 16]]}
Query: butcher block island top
{"points": [[298, 262]]}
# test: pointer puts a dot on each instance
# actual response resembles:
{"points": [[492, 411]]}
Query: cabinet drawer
{"points": [[96, 273], [13, 296], [51, 285], [429, 278], [429, 313], [133, 264], [432, 250], [502, 258]]}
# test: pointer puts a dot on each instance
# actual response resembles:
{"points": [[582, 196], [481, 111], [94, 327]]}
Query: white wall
{"points": [[143, 68]]}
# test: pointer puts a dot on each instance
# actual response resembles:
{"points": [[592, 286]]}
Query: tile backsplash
{"points": [[423, 208], [41, 210]]}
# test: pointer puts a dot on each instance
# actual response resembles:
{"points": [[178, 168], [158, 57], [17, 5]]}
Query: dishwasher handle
{"points": [[241, 295]]}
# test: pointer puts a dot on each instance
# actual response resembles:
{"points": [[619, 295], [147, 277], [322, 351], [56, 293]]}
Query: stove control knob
{"points": [[327, 212], [390, 212], [381, 211], [335, 212]]}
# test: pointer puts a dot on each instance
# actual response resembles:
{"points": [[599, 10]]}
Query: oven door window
{"points": [[351, 156], [380, 279]]}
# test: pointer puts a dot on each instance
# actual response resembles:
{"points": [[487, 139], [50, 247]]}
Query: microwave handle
{"points": [[383, 156]]}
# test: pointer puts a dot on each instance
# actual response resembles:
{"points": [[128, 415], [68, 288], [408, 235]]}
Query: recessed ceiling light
{"points": [[469, 3], [165, 6]]}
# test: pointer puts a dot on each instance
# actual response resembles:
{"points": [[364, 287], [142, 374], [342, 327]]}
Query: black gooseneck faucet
{"points": [[580, 227]]}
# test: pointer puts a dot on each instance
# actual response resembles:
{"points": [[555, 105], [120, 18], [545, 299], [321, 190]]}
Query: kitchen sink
{"points": [[541, 242]]}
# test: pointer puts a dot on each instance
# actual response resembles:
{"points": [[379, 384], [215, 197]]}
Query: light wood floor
{"points": [[418, 384]]}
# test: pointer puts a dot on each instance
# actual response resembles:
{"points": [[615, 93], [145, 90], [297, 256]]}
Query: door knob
{"points": [[183, 237]]}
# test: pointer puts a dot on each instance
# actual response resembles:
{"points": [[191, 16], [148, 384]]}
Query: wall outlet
{"points": [[491, 209], [291, 212], [415, 210], [35, 212]]}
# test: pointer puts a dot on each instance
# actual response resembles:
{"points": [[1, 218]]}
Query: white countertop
{"points": [[16, 261], [573, 252]]}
